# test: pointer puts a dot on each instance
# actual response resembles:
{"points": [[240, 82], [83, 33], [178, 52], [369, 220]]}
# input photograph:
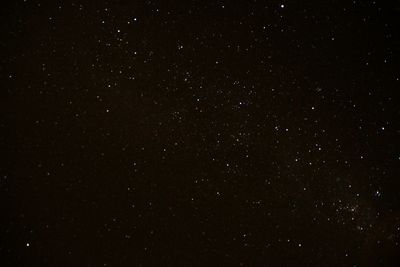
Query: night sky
{"points": [[200, 133]]}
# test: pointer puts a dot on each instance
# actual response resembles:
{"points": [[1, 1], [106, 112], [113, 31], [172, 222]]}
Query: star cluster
{"points": [[200, 133]]}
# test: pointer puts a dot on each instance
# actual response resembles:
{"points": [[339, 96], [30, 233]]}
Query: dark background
{"points": [[200, 133]]}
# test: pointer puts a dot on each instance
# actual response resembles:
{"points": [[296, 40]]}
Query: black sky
{"points": [[200, 133]]}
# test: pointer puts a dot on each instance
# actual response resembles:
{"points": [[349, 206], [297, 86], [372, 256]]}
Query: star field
{"points": [[200, 133]]}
